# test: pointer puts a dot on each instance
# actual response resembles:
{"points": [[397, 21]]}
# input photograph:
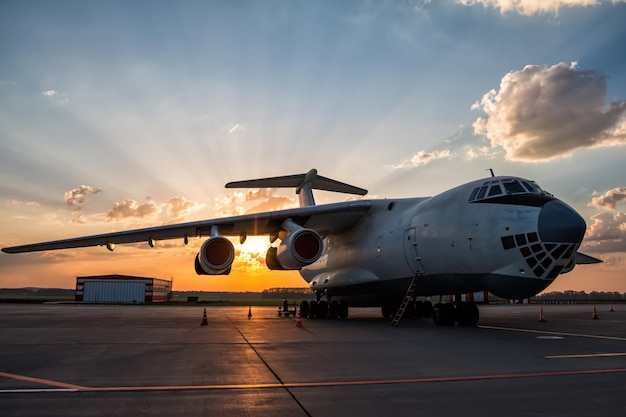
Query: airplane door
{"points": [[410, 250]]}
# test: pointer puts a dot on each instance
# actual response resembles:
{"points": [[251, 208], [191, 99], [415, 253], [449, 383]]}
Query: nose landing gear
{"points": [[466, 314]]}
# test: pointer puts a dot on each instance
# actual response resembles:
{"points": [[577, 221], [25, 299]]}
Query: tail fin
{"points": [[303, 183]]}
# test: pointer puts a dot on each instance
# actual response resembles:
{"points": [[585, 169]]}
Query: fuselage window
{"points": [[514, 187]]}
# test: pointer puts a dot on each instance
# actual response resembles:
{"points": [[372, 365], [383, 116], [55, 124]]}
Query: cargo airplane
{"points": [[499, 234]]}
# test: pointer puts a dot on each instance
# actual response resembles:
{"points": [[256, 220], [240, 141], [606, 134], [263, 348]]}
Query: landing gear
{"points": [[443, 314], [304, 309], [388, 310], [466, 314]]}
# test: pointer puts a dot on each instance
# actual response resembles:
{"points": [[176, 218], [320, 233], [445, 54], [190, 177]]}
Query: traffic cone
{"points": [[298, 319], [541, 319], [595, 314], [611, 309], [204, 320], [249, 312]]}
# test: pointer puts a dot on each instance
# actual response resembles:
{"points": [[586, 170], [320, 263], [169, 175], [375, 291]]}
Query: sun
{"points": [[255, 245]]}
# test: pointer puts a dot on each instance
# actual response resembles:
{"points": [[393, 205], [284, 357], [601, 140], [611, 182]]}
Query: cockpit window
{"points": [[514, 187], [530, 186], [495, 190], [473, 195], [501, 187]]}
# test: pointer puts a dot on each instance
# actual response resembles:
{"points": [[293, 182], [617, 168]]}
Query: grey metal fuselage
{"points": [[510, 244]]}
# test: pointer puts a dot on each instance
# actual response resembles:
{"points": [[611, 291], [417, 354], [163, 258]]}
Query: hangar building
{"points": [[122, 289]]}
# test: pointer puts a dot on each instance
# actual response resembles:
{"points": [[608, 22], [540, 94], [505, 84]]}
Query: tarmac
{"points": [[116, 360]]}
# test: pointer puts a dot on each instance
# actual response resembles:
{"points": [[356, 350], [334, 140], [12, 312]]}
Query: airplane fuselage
{"points": [[512, 239]]}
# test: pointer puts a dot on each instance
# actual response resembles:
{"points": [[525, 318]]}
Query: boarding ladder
{"points": [[405, 302]]}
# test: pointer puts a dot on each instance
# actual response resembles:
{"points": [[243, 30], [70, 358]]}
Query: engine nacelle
{"points": [[216, 257], [299, 248]]}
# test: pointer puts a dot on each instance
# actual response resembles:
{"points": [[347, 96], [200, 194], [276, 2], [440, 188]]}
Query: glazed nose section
{"points": [[558, 222]]}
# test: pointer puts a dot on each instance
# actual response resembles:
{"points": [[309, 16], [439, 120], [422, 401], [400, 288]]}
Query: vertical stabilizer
{"points": [[303, 183]]}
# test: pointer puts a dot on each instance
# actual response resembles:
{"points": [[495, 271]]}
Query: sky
{"points": [[118, 115]]}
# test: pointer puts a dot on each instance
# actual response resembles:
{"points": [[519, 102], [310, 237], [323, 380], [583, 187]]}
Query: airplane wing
{"points": [[328, 218]]}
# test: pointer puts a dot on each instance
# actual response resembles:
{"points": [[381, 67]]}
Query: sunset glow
{"points": [[113, 118]]}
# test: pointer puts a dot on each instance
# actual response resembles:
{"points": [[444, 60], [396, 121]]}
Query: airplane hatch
{"points": [[411, 250]]}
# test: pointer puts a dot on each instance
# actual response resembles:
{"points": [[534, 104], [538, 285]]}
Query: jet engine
{"points": [[298, 248], [215, 257]]}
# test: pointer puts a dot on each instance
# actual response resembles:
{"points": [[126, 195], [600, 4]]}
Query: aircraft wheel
{"points": [[428, 309], [387, 311], [419, 309], [304, 309], [322, 310], [333, 310], [466, 314], [313, 309], [443, 314], [343, 310]]}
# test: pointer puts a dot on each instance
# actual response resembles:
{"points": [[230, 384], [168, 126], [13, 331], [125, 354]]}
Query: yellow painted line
{"points": [[586, 355], [593, 336], [322, 384], [42, 381]]}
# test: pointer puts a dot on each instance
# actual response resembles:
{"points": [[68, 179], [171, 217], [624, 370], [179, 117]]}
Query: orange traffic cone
{"points": [[249, 312], [204, 320], [595, 314], [541, 319], [611, 309], [298, 319]]}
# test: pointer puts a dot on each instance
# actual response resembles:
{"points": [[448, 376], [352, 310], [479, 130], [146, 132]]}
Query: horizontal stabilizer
{"points": [[297, 181], [582, 259]]}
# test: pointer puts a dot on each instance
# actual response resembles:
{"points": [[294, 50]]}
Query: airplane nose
{"points": [[558, 222]]}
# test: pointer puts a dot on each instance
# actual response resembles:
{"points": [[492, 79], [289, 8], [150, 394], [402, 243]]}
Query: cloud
{"points": [[609, 199], [180, 207], [238, 202], [131, 209], [541, 113], [59, 98], [77, 198], [236, 128], [532, 7], [607, 233], [423, 158]]}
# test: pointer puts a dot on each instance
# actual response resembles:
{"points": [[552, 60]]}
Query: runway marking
{"points": [[459, 378], [586, 355], [593, 336], [42, 381]]}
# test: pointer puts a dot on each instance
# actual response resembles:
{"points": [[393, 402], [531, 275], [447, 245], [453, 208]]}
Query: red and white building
{"points": [[122, 289]]}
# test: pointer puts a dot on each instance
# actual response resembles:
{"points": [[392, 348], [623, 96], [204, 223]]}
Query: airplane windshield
{"points": [[509, 186]]}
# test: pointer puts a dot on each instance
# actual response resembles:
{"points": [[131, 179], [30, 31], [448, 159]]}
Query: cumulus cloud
{"points": [[540, 113], [180, 207], [423, 158], [253, 200], [49, 93], [609, 199], [607, 233], [77, 198], [532, 7], [131, 209]]}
